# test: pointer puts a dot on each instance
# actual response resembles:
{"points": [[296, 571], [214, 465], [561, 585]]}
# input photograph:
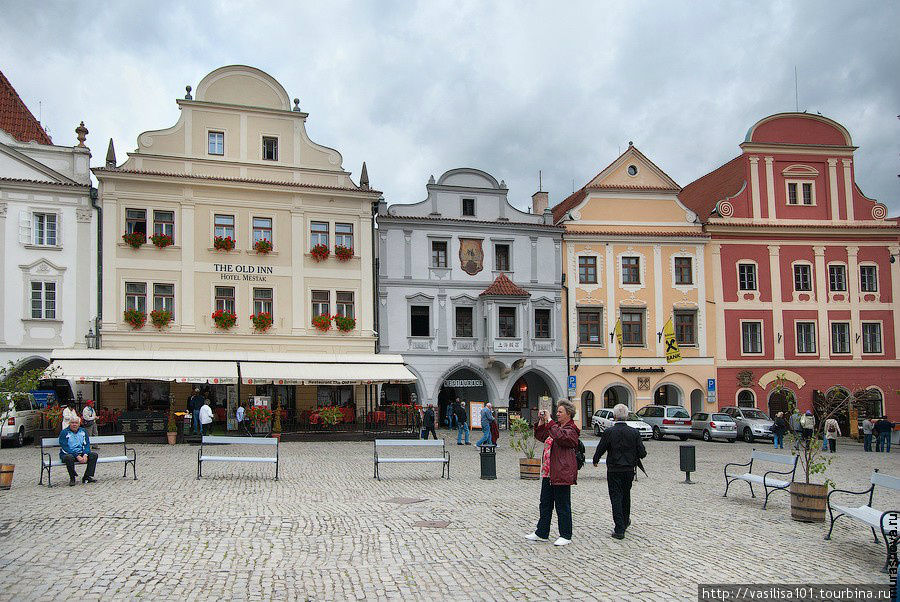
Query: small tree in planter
{"points": [[522, 440], [224, 319], [160, 318], [343, 253], [223, 243], [171, 428], [261, 321], [319, 252], [161, 241], [344, 324], [262, 246], [135, 239], [135, 318], [322, 322]]}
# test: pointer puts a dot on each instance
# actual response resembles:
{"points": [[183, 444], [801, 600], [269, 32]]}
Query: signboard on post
{"points": [[711, 385], [572, 383], [502, 418], [475, 414]]}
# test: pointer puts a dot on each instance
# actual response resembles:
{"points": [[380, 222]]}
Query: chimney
{"points": [[540, 200]]}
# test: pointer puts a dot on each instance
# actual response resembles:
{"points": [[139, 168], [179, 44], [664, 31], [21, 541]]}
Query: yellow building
{"points": [[633, 252]]}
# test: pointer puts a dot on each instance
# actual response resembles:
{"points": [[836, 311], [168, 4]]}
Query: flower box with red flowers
{"points": [[261, 321], [161, 318], [344, 324], [135, 318], [224, 319], [134, 239], [322, 322], [259, 415], [161, 241], [223, 243], [262, 246], [319, 252], [343, 253]]}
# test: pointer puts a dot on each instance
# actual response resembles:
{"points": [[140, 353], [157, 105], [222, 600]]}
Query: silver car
{"points": [[20, 415], [713, 426], [667, 420], [603, 419], [751, 423]]}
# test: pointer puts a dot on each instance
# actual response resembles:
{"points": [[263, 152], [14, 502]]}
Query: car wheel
{"points": [[657, 434], [20, 438], [748, 435], [597, 429], [706, 436]]}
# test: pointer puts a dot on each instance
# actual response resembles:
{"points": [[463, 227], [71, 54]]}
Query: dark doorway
{"points": [[464, 384]]}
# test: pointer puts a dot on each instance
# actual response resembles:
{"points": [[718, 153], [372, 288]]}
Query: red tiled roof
{"points": [[568, 203], [16, 119], [701, 195], [108, 170], [25, 181], [504, 287]]}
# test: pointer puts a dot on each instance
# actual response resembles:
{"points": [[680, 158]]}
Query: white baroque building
{"points": [[469, 292]]}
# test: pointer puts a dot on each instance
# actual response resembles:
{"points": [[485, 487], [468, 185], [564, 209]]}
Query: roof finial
{"points": [[431, 179], [364, 177], [188, 95], [296, 105], [111, 155], [82, 133], [630, 143]]}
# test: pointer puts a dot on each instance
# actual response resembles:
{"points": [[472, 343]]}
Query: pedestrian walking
{"points": [[428, 420], [883, 430], [807, 424], [832, 432], [559, 471], [795, 428], [462, 421], [487, 419], [451, 414], [206, 417], [89, 418], [194, 404], [779, 428], [624, 450], [867, 428]]}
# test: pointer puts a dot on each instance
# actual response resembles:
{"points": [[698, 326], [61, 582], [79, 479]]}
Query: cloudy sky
{"points": [[417, 88]]}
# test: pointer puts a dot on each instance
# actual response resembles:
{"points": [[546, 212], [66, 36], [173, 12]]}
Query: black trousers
{"points": [[70, 463], [429, 429], [620, 497], [561, 496]]}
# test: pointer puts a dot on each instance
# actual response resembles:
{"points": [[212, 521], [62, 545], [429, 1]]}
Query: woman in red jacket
{"points": [[559, 471]]}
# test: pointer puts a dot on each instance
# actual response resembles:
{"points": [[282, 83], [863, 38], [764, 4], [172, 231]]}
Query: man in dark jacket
{"points": [[194, 405], [883, 429], [428, 422], [462, 419], [625, 450]]}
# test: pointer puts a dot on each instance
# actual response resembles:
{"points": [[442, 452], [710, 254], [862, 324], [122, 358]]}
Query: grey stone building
{"points": [[469, 292]]}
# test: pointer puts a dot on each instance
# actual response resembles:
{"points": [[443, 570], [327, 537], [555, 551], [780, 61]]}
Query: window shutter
{"points": [[25, 220]]}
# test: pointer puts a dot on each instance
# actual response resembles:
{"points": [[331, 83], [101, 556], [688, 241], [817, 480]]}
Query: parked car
{"points": [[713, 426], [21, 417], [667, 420], [603, 419], [751, 423]]}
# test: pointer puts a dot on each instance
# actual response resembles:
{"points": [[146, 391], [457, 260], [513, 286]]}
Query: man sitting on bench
{"points": [[75, 446]]}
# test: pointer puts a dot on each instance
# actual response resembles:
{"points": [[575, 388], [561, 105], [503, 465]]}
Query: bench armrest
{"points": [[847, 491], [48, 456], [133, 453], [736, 464]]}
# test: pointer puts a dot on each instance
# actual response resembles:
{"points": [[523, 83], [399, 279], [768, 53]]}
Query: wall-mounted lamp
{"points": [[659, 336], [577, 357], [779, 337], [857, 337]]}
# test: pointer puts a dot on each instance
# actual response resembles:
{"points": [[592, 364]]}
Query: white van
{"points": [[21, 417]]}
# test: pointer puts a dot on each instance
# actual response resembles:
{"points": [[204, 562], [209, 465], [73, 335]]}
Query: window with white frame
{"points": [[321, 303], [871, 332], [225, 298], [751, 337], [587, 269], [685, 324], [216, 143], [684, 273], [806, 337], [43, 300], [224, 226], [747, 276], [270, 148], [840, 337], [868, 278], [164, 223], [318, 234], [136, 296], [631, 270], [343, 235], [801, 193], [262, 229], [589, 321], [802, 277], [44, 231], [135, 221], [344, 304], [632, 327], [837, 278], [262, 301], [164, 298], [438, 253]]}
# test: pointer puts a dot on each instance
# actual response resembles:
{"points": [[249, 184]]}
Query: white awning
{"points": [[297, 373], [101, 370]]}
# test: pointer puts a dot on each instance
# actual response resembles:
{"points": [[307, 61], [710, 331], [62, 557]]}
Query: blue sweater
{"points": [[74, 444]]}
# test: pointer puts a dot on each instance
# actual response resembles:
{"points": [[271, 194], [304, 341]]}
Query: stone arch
{"points": [[555, 389], [419, 385], [488, 382], [769, 377], [670, 383], [620, 383]]}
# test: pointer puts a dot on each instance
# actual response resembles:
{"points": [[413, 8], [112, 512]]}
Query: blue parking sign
{"points": [[572, 381], [710, 384]]}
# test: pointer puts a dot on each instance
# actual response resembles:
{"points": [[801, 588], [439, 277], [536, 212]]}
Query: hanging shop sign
{"points": [[461, 384], [242, 272], [643, 369]]}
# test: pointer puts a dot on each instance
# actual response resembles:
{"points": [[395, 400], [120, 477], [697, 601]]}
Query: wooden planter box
{"points": [[529, 468], [808, 502]]}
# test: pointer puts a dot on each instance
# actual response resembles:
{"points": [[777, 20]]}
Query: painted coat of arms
{"points": [[471, 257]]}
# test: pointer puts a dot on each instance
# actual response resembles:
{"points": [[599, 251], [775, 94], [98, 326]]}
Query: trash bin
{"points": [[488, 461], [688, 461]]}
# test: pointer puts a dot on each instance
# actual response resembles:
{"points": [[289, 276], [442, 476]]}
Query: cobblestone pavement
{"points": [[326, 530]]}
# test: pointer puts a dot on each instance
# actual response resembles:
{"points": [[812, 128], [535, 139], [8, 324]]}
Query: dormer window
{"points": [[217, 143], [269, 148], [468, 207]]}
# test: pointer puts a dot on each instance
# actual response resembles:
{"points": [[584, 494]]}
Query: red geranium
{"points": [[224, 319], [322, 322], [343, 253], [319, 252]]}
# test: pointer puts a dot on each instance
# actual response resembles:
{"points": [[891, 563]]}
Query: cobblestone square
{"points": [[326, 530]]}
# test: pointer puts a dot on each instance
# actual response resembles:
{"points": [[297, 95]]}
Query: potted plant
{"points": [[261, 321], [522, 440], [344, 324], [223, 243], [160, 318], [343, 253], [331, 416], [161, 241], [135, 318], [322, 322], [260, 417], [53, 418], [171, 429], [319, 252], [262, 246], [224, 319], [276, 424], [135, 239]]}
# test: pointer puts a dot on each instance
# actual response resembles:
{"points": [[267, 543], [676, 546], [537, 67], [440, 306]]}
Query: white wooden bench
{"points": [[872, 517], [50, 456], [590, 447], [444, 458], [770, 483], [217, 440]]}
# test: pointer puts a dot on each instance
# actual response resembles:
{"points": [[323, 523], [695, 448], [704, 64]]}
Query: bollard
{"points": [[488, 457], [688, 457]]}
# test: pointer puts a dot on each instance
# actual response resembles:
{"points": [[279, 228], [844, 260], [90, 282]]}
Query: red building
{"points": [[805, 269]]}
